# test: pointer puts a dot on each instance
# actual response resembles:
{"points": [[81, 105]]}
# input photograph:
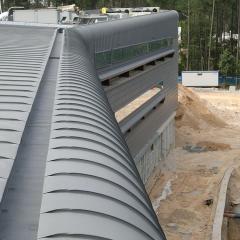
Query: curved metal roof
{"points": [[21, 68], [92, 189]]}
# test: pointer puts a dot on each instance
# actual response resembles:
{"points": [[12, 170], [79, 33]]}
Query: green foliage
{"points": [[227, 63]]}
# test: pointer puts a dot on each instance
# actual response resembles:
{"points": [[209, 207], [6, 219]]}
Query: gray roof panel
{"points": [[3, 183], [5, 167], [22, 62], [10, 136], [92, 189], [82, 222], [8, 150]]}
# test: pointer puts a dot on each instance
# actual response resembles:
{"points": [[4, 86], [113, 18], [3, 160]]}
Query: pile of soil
{"points": [[193, 112], [192, 177]]}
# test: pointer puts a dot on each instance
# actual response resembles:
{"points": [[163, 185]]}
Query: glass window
{"points": [[127, 53], [103, 59]]}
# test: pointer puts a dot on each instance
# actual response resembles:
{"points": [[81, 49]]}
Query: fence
{"points": [[226, 81]]}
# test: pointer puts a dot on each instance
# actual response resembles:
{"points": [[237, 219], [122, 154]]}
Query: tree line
{"points": [[210, 38], [210, 28]]}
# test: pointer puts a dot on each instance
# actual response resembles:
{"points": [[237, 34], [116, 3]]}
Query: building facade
{"points": [[67, 167]]}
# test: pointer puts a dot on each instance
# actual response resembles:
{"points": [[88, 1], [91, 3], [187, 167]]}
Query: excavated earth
{"points": [[184, 189]]}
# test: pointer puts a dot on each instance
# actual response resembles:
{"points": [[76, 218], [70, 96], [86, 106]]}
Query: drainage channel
{"points": [[20, 207]]}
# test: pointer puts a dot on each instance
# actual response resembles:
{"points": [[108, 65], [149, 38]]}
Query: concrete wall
{"points": [[156, 150]]}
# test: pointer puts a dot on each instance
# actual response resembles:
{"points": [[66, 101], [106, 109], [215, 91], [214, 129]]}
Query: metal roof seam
{"points": [[96, 145], [22, 65]]}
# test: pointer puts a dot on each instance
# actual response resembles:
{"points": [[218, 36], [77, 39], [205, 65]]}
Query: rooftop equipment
{"points": [[49, 16]]}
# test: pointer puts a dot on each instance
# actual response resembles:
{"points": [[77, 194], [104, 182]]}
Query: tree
{"points": [[188, 35], [238, 43], [227, 63], [210, 36]]}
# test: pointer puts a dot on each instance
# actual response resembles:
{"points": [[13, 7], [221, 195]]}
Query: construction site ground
{"points": [[184, 188]]}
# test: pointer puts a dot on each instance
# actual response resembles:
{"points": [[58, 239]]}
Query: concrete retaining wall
{"points": [[157, 149]]}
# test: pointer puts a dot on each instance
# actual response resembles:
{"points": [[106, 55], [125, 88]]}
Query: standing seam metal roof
{"points": [[22, 64], [91, 180], [92, 189]]}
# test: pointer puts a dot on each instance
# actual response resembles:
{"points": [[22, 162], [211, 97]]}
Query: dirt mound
{"points": [[193, 112], [192, 172]]}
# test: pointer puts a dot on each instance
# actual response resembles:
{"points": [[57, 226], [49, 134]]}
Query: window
{"points": [[103, 59]]}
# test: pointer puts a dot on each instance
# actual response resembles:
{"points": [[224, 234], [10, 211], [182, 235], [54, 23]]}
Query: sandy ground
{"points": [[208, 124]]}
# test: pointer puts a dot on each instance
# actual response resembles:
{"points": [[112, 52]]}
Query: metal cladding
{"points": [[22, 63], [137, 31], [128, 32], [92, 189]]}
